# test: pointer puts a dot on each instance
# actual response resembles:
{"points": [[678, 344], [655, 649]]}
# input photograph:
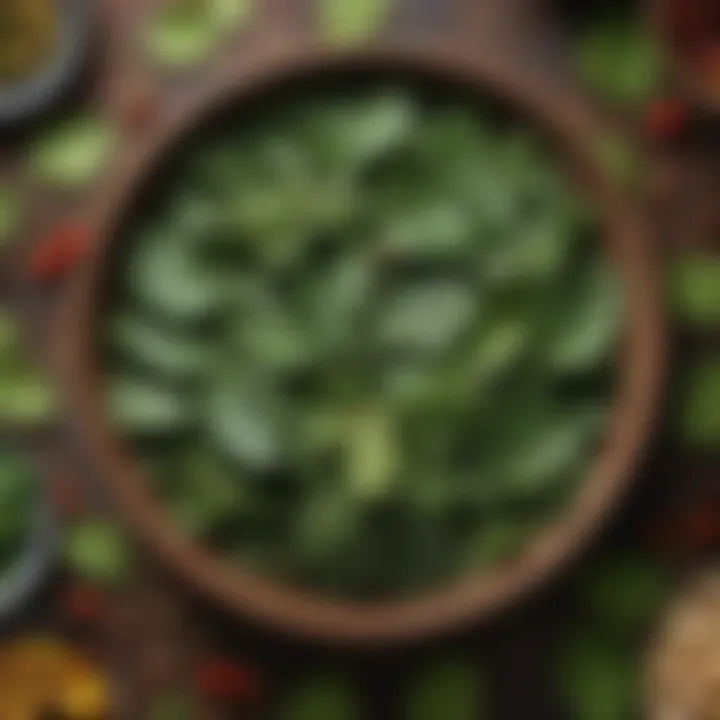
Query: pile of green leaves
{"points": [[17, 504], [363, 341]]}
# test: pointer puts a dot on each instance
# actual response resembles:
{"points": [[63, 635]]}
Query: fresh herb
{"points": [[18, 499], [72, 153], [357, 324]]}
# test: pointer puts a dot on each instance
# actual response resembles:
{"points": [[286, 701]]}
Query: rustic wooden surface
{"points": [[160, 629]]}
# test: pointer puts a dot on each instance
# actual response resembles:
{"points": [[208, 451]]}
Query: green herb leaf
{"points": [[26, 399], [159, 349], [96, 551], [185, 32], [625, 593], [426, 318], [172, 707], [231, 14], [622, 61], [74, 152], [619, 160], [141, 407], [245, 422], [451, 689], [700, 406], [589, 323], [351, 22], [597, 681], [323, 697], [695, 290], [10, 214]]}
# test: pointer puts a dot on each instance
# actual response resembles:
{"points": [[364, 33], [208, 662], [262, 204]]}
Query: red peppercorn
{"points": [[85, 605], [665, 119], [58, 253], [226, 681]]}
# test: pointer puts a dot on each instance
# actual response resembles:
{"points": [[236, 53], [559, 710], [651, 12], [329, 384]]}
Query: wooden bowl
{"points": [[288, 609]]}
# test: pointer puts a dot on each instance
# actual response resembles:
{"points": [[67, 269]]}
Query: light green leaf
{"points": [[160, 349], [26, 399], [450, 689], [695, 290], [372, 454], [597, 681], [185, 32], [621, 60], [141, 407], [429, 232], [427, 317], [245, 422], [72, 153], [625, 593], [352, 22], [10, 214], [496, 541], [590, 322], [700, 405], [322, 697], [96, 551], [166, 275]]}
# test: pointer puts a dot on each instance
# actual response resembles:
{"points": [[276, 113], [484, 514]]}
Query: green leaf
{"points": [[433, 231], [625, 593], [159, 348], [10, 214], [597, 681], [96, 551], [321, 697], [450, 689], [428, 317], [700, 405], [26, 399], [245, 422], [589, 324], [545, 451], [167, 276], [695, 290], [621, 60], [372, 454], [141, 407], [72, 153], [185, 32], [352, 22]]}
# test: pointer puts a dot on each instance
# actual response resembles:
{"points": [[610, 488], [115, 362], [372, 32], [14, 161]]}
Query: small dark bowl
{"points": [[28, 97], [575, 133]]}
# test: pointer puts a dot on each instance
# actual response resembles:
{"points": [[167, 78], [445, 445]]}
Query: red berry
{"points": [[665, 119], [58, 253], [223, 680]]}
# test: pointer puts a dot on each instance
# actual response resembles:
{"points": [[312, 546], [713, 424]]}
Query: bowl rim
{"points": [[295, 612]]}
